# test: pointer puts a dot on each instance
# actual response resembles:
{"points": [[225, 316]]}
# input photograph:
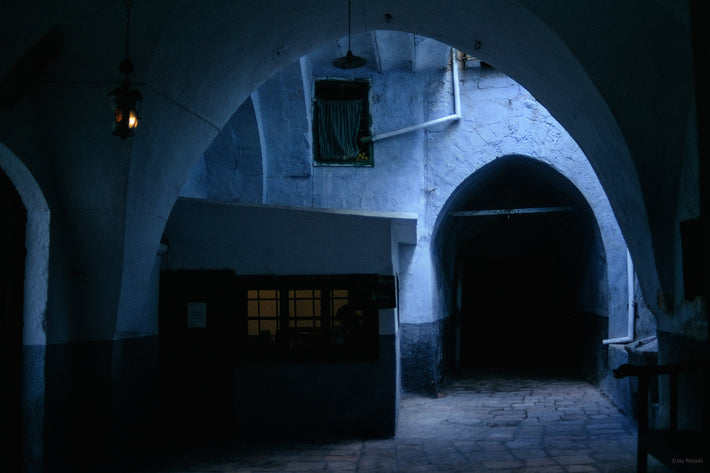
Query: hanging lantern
{"points": [[124, 100]]}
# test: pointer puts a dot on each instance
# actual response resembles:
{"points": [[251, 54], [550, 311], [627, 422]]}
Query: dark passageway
{"points": [[12, 258], [529, 268], [518, 294]]}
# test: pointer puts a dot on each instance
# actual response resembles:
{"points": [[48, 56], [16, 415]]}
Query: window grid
{"points": [[263, 313], [303, 309]]}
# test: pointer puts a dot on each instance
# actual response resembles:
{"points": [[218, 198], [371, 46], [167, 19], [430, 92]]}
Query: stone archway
{"points": [[524, 264], [32, 302], [218, 82]]}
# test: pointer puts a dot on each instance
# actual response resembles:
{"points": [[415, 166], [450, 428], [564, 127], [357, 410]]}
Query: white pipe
{"points": [[631, 304], [631, 281], [401, 131], [610, 341], [455, 79], [449, 118]]}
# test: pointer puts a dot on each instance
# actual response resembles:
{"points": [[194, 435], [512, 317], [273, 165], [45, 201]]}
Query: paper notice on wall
{"points": [[196, 314]]}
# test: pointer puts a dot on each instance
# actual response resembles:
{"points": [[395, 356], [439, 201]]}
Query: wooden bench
{"points": [[682, 450]]}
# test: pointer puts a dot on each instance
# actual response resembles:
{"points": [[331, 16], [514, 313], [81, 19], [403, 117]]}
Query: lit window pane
{"points": [[268, 308], [268, 294], [304, 308], [253, 327], [252, 294], [340, 293], [304, 294], [252, 308], [269, 325]]}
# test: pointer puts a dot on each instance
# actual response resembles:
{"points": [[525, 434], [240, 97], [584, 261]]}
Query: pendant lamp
{"points": [[349, 61], [124, 100]]}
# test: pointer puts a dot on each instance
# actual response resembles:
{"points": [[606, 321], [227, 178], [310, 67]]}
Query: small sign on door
{"points": [[196, 314]]}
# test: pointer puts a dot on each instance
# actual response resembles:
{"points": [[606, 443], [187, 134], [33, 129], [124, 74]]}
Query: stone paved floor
{"points": [[484, 423]]}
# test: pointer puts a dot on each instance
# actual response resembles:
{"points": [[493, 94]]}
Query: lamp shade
{"points": [[349, 61]]}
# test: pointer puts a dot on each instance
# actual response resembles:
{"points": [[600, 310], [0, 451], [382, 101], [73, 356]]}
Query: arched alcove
{"points": [[523, 268]]}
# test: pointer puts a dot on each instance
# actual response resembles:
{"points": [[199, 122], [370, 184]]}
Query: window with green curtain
{"points": [[340, 121], [337, 128]]}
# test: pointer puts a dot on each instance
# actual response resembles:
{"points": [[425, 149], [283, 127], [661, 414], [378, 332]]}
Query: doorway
{"points": [[12, 254], [528, 272], [518, 287]]}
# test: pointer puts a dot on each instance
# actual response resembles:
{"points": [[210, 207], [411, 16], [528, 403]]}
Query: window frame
{"points": [[365, 128], [323, 341]]}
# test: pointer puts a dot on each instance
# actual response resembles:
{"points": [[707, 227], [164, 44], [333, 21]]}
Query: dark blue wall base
{"points": [[424, 364], [100, 402], [77, 404], [619, 390], [33, 387], [349, 398], [589, 331], [135, 402], [210, 399], [693, 391], [106, 409]]}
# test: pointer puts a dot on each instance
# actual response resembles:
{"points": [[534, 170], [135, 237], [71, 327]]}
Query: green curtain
{"points": [[338, 124]]}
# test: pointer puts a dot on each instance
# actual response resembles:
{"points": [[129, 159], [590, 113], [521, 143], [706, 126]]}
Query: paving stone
{"points": [[492, 445], [529, 453], [541, 469], [573, 459], [563, 453], [500, 464], [341, 466], [305, 466], [541, 461], [519, 443], [618, 457], [580, 468], [501, 436], [491, 455], [607, 445]]}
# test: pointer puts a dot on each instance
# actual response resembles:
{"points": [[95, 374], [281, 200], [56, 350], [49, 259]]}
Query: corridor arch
{"points": [[511, 37], [520, 220]]}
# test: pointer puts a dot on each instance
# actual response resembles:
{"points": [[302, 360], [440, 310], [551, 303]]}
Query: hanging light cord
{"points": [[349, 61], [349, 25], [129, 4], [126, 66]]}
